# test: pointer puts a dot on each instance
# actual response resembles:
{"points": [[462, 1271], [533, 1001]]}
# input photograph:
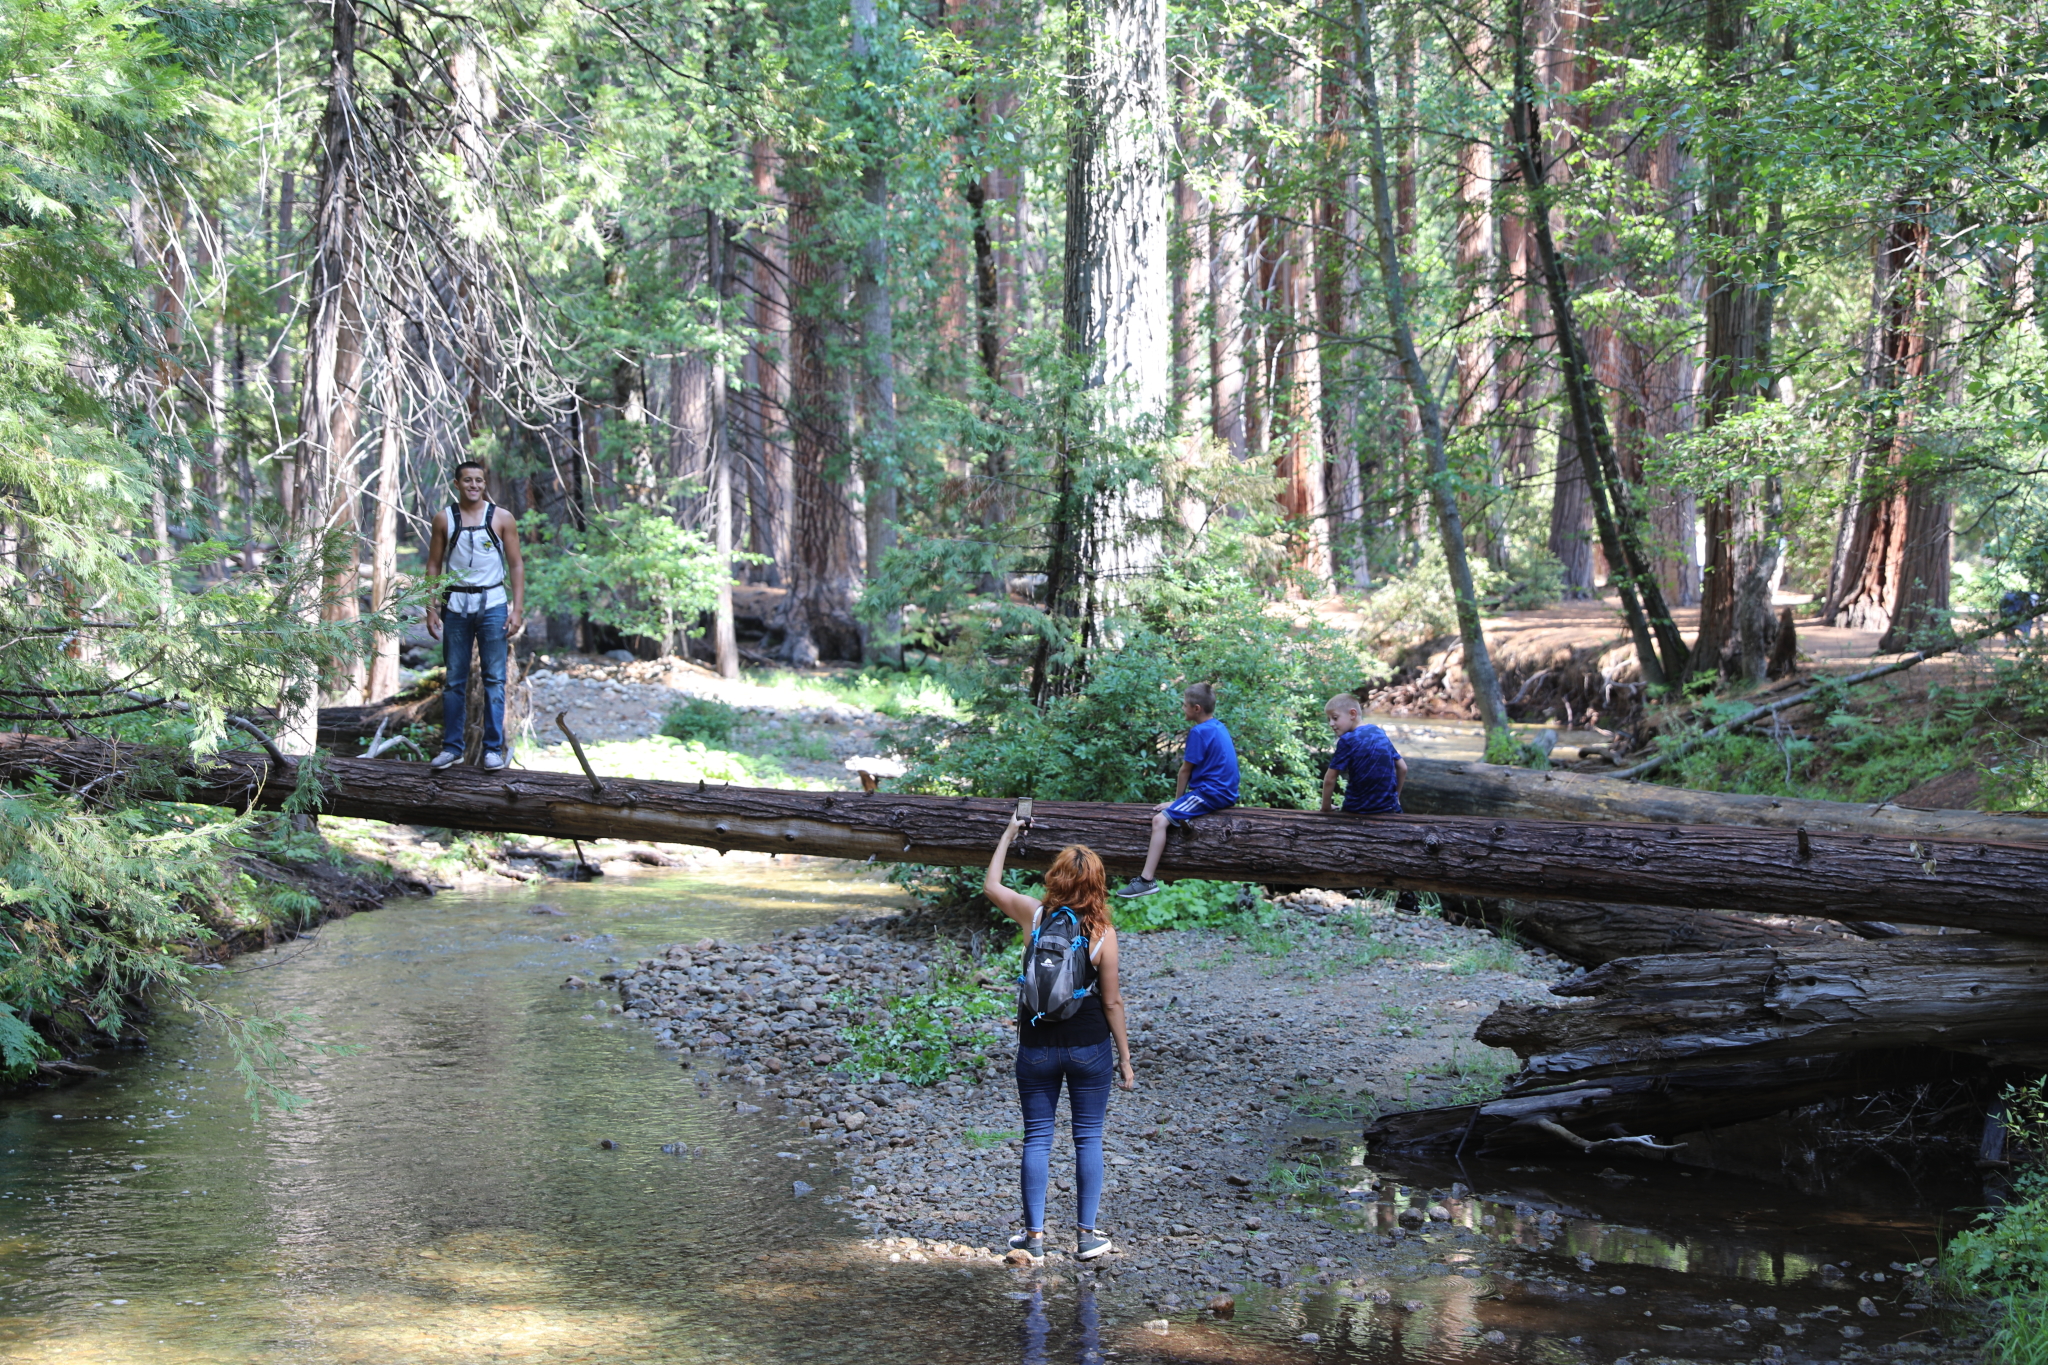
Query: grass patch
{"points": [[1187, 904], [989, 1137], [1493, 955], [2022, 1336], [1479, 1075], [662, 758], [898, 695]]}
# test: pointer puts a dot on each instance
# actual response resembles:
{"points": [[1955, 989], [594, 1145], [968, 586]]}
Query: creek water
{"points": [[443, 1195]]}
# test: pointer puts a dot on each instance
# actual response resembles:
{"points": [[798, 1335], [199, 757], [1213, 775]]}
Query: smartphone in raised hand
{"points": [[1023, 816]]}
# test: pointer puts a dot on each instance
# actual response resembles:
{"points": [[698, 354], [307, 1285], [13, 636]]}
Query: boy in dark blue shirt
{"points": [[1372, 769], [1208, 781]]}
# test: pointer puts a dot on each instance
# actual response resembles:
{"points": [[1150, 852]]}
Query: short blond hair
{"points": [[1344, 701]]}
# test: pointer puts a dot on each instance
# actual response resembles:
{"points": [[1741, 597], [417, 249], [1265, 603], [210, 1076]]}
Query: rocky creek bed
{"points": [[1235, 1161]]}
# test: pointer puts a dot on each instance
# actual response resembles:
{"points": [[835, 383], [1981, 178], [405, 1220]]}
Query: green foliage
{"points": [[1118, 736], [925, 1036], [705, 719], [1416, 605], [1189, 904], [634, 569]]}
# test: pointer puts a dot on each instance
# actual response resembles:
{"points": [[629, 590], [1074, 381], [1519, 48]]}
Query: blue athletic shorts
{"points": [[1186, 808]]}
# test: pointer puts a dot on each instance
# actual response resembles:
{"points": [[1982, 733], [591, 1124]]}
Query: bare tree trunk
{"points": [[725, 645], [1337, 288], [284, 251], [1190, 254], [1476, 265], [879, 437], [327, 493], [383, 679], [1486, 695], [1296, 394]]}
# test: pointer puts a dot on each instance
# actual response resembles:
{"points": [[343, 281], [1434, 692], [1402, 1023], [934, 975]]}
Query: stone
{"points": [[1866, 1307], [1158, 1325], [1223, 1305]]}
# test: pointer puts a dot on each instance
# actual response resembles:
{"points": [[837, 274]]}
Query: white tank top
{"points": [[476, 564]]}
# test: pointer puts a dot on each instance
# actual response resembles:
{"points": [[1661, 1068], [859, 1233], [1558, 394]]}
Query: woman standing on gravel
{"points": [[1074, 1051]]}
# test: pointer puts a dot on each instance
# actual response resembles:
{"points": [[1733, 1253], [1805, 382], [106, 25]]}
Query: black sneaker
{"points": [[1138, 886], [1090, 1245], [447, 758], [1032, 1244]]}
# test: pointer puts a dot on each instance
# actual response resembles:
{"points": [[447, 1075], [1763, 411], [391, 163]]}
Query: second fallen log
{"points": [[2000, 888]]}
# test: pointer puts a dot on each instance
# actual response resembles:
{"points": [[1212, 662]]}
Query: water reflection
{"points": [[443, 1196]]}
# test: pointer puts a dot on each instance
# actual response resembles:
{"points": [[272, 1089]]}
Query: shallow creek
{"points": [[444, 1195]]}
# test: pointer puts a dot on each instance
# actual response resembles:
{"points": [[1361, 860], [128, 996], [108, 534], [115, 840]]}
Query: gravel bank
{"points": [[1234, 1161]]}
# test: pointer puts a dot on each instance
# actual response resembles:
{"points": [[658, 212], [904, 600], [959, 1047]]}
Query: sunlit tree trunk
{"points": [[1116, 307], [769, 303], [1338, 288], [1898, 579], [725, 646], [1296, 391], [1228, 282]]}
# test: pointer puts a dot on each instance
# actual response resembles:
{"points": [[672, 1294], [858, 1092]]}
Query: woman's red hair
{"points": [[1077, 880]]}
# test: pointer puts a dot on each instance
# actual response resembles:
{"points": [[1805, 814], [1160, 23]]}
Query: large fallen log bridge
{"points": [[2002, 888]]}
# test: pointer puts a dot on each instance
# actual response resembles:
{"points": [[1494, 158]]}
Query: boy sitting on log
{"points": [[1208, 781], [1372, 769]]}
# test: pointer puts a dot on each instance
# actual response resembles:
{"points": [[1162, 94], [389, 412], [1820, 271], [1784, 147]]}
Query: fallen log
{"points": [[1591, 935], [340, 724], [1647, 1015], [1441, 787], [1627, 1115], [1998, 888]]}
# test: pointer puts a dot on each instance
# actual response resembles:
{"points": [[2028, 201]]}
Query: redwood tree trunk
{"points": [[326, 495]]}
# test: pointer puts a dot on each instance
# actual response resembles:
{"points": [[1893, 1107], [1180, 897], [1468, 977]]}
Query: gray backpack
{"points": [[1058, 973]]}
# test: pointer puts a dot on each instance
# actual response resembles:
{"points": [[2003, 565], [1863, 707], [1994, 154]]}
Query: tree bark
{"points": [[824, 566], [770, 470], [1998, 888], [383, 679], [1897, 577], [1439, 787], [1591, 935], [326, 497], [881, 458], [725, 645], [1227, 286], [1297, 387], [1647, 1015], [1478, 661]]}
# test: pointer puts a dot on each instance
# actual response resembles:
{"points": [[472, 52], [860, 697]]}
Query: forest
{"points": [[1046, 357]]}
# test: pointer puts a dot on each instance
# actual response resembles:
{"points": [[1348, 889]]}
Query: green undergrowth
{"points": [[2003, 1255], [1869, 744], [663, 758], [926, 1035]]}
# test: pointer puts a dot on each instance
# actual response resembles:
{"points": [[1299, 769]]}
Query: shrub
{"points": [[704, 719], [633, 569], [1119, 736]]}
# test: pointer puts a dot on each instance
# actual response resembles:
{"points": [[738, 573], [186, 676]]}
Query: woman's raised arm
{"points": [[1015, 904]]}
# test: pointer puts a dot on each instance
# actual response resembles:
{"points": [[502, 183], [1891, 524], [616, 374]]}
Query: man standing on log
{"points": [[476, 542]]}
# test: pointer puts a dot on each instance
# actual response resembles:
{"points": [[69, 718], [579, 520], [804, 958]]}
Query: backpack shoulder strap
{"points": [[491, 529]]}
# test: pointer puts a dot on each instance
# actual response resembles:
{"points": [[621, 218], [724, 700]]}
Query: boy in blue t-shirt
{"points": [[1208, 781], [1372, 769]]}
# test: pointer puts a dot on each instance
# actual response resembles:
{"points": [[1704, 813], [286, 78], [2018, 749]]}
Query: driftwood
{"points": [[341, 724], [1591, 934], [1440, 787], [1999, 888]]}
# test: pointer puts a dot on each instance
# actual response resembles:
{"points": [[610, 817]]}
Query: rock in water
{"points": [[801, 1188], [1223, 1305], [608, 1145]]}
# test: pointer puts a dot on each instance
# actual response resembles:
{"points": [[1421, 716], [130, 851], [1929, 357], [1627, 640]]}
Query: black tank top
{"points": [[1085, 1027]]}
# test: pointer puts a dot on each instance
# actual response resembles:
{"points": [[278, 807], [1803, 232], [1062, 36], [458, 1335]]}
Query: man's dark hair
{"points": [[477, 465]]}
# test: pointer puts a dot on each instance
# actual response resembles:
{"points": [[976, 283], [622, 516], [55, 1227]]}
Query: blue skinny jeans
{"points": [[1086, 1073], [458, 631]]}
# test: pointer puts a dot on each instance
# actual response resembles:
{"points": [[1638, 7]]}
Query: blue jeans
{"points": [[458, 631], [1086, 1072]]}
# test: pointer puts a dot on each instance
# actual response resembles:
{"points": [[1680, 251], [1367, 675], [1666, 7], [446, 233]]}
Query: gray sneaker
{"points": [[447, 758], [1032, 1244], [1090, 1245], [495, 759], [1138, 886]]}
